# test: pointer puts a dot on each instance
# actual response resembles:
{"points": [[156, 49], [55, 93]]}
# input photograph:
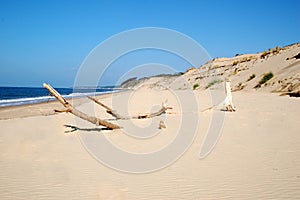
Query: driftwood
{"points": [[71, 109], [108, 109], [228, 100], [162, 110], [162, 125], [227, 104]]}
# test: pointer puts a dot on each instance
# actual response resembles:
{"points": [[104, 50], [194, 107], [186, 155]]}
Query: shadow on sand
{"points": [[75, 128]]}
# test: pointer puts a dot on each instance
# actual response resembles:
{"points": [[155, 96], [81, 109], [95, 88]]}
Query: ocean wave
{"points": [[34, 100]]}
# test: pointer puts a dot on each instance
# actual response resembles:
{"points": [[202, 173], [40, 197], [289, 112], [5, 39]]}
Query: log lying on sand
{"points": [[162, 110], [71, 109]]}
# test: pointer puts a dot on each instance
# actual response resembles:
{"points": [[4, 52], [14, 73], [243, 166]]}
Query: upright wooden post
{"points": [[228, 100]]}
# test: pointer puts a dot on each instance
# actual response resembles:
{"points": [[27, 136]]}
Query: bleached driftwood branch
{"points": [[228, 100], [227, 104], [108, 109], [71, 109], [162, 110]]}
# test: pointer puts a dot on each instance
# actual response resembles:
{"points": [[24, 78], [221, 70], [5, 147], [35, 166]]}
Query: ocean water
{"points": [[13, 96]]}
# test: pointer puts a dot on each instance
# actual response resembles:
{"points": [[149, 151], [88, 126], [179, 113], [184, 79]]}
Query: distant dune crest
{"points": [[274, 70]]}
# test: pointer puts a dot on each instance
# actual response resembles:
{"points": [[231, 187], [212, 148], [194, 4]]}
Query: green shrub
{"points": [[251, 77], [195, 86], [213, 83], [266, 77]]}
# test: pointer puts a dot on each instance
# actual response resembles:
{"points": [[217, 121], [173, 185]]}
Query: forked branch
{"points": [[161, 111], [74, 111]]}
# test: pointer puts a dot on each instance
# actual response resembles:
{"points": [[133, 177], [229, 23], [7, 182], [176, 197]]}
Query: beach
{"points": [[257, 155], [149, 100]]}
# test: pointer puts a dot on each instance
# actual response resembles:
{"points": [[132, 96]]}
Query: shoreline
{"points": [[43, 108]]}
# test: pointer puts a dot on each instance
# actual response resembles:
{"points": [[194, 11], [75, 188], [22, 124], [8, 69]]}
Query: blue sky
{"points": [[48, 40]]}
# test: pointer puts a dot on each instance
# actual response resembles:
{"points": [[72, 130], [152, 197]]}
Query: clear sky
{"points": [[47, 40]]}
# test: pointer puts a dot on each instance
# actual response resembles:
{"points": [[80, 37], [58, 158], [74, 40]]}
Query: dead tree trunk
{"points": [[69, 108], [227, 104], [228, 100], [163, 109]]}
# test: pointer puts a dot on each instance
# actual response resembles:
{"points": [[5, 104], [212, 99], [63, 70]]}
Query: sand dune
{"points": [[283, 63]]}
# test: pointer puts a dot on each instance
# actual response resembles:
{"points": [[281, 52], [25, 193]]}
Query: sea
{"points": [[14, 96]]}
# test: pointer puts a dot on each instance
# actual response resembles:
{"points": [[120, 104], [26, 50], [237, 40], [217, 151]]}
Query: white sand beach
{"points": [[45, 155], [149, 100], [256, 157]]}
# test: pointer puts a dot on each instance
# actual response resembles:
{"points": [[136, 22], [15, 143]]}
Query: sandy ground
{"points": [[256, 157]]}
